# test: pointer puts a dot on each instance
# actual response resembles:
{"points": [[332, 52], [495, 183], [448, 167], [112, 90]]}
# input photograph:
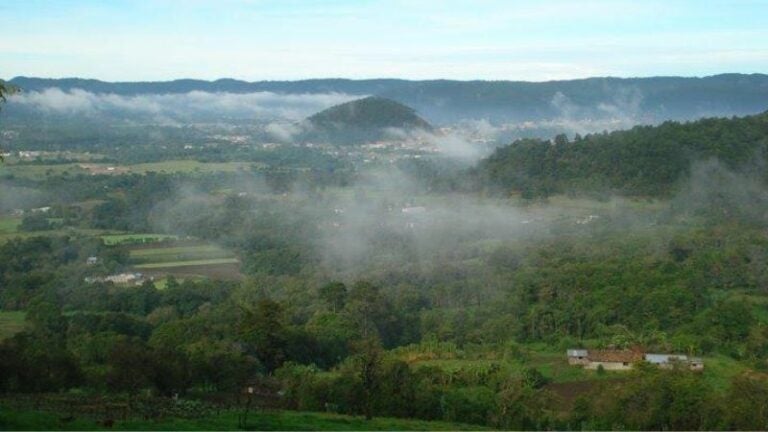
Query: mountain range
{"points": [[644, 100]]}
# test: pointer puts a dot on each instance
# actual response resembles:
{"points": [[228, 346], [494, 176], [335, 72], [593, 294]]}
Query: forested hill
{"points": [[645, 160], [644, 99], [369, 112], [364, 120]]}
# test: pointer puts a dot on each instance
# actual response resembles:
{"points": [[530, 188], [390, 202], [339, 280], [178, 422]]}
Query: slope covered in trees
{"points": [[642, 161], [368, 119]]}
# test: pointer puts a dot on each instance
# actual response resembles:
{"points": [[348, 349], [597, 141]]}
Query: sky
{"points": [[152, 40]]}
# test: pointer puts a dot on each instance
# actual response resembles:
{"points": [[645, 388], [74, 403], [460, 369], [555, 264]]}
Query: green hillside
{"points": [[642, 161], [366, 119]]}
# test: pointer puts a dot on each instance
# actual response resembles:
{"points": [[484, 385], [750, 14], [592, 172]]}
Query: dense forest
{"points": [[643, 161]]}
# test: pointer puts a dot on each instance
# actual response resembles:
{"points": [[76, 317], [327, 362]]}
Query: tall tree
{"points": [[370, 356], [264, 330]]}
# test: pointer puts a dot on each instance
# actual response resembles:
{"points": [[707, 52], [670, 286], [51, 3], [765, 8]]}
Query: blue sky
{"points": [[129, 40]]}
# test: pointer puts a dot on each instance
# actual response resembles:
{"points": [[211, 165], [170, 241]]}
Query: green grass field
{"points": [[9, 224], [188, 263], [67, 231], [39, 172], [178, 253], [272, 420], [188, 166], [11, 323]]}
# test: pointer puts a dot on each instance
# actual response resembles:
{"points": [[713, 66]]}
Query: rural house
{"points": [[612, 359]]}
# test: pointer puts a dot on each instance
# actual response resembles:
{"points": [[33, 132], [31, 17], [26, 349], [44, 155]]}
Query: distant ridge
{"points": [[654, 98]]}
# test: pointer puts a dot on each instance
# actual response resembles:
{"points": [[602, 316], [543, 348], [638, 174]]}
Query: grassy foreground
{"points": [[273, 420]]}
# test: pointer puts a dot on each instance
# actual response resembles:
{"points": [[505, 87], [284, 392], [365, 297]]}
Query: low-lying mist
{"points": [[183, 106], [388, 220]]}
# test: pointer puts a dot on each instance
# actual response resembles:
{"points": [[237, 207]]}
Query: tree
{"points": [[519, 406], [746, 402], [130, 367], [534, 378], [369, 360], [46, 319], [335, 294], [6, 90], [264, 330], [372, 314]]}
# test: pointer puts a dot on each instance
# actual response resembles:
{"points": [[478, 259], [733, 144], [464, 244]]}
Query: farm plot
{"points": [[42, 171], [185, 260]]}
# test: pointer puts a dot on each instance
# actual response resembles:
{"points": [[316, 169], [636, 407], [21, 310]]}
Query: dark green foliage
{"points": [[520, 406], [745, 403], [646, 160], [263, 328], [335, 295], [37, 362], [35, 222], [363, 120], [533, 378], [653, 399]]}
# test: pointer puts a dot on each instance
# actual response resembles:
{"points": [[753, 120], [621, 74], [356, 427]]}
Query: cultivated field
{"points": [[185, 259], [39, 172]]}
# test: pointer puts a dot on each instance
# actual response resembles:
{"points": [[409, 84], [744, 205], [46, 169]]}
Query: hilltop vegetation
{"points": [[643, 161], [364, 120]]}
